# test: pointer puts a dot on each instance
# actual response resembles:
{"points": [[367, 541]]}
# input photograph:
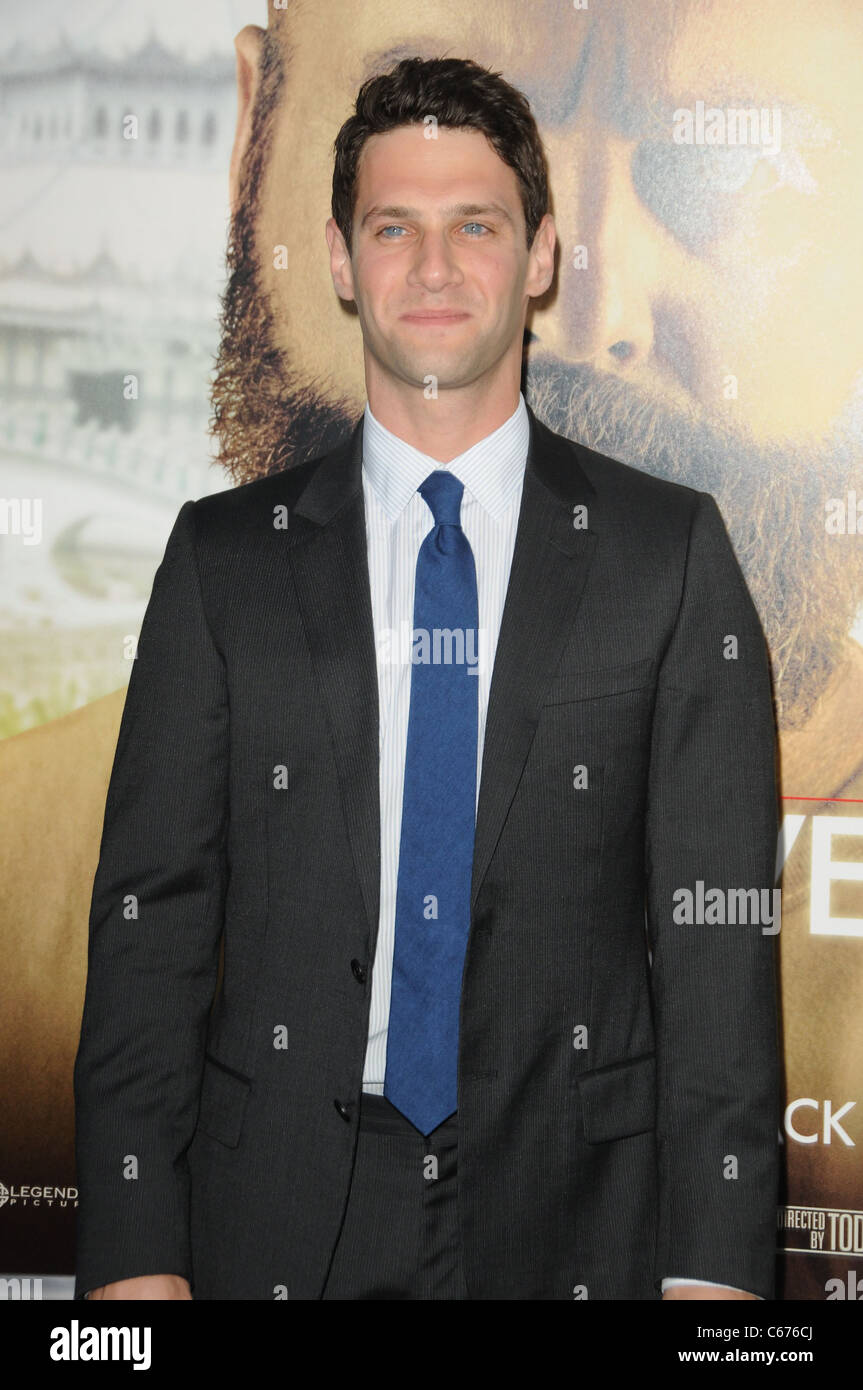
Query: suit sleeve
{"points": [[713, 817], [155, 925]]}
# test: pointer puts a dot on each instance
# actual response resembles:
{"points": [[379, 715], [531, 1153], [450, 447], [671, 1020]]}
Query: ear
{"points": [[248, 48], [340, 261], [540, 271]]}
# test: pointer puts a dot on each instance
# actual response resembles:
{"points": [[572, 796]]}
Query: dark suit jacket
{"points": [[618, 1072]]}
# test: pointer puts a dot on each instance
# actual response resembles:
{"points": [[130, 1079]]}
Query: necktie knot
{"points": [[442, 491]]}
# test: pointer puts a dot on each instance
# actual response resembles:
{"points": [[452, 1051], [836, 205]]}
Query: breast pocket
{"points": [[595, 682]]}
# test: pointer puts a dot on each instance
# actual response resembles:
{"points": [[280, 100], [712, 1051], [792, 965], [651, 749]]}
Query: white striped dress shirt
{"points": [[397, 521]]}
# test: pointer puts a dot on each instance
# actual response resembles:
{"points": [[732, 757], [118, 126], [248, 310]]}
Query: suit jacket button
{"points": [[344, 1110], [359, 971]]}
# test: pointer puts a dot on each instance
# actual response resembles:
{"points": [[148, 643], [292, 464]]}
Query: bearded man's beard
{"points": [[264, 418], [806, 583]]}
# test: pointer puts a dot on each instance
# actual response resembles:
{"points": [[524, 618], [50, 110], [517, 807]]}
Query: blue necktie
{"points": [[438, 820]]}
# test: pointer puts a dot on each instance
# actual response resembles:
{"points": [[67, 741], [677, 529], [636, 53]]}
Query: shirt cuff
{"points": [[706, 1283]]}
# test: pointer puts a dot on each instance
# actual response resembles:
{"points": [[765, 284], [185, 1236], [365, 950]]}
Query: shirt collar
{"points": [[491, 469]]}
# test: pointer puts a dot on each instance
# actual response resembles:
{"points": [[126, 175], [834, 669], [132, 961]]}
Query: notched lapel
{"points": [[550, 564], [330, 569]]}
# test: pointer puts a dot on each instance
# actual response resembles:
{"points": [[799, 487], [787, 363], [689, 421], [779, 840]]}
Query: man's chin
{"points": [[431, 367]]}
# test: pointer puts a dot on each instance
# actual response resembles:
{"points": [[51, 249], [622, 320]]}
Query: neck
{"points": [[447, 425]]}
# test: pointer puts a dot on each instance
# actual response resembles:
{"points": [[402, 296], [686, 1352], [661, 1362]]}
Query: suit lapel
{"points": [[550, 562], [331, 575]]}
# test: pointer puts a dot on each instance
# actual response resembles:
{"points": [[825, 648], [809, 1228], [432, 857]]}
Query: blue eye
{"points": [[394, 227]]}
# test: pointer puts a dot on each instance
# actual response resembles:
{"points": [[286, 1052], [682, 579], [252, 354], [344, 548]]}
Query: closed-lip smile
{"points": [[432, 314]]}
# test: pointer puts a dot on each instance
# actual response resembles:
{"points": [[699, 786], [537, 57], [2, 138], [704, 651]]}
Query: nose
{"points": [[434, 265], [609, 286]]}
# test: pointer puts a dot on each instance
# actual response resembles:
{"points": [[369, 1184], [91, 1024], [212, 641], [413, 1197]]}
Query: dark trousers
{"points": [[400, 1236]]}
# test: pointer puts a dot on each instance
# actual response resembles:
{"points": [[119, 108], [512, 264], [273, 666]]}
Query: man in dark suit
{"points": [[494, 1015]]}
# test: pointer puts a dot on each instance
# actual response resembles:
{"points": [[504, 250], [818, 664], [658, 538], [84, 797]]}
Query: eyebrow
{"points": [[455, 210]]}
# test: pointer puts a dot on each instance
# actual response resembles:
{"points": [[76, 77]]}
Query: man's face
{"points": [[439, 263], [711, 330]]}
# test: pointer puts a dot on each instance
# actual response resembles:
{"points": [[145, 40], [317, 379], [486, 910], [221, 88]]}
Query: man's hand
{"points": [[170, 1286], [703, 1291]]}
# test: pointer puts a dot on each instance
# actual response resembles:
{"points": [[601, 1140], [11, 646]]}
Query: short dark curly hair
{"points": [[459, 94]]}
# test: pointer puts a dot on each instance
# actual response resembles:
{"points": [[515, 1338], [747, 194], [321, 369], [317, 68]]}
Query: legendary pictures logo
{"points": [[30, 1195]]}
